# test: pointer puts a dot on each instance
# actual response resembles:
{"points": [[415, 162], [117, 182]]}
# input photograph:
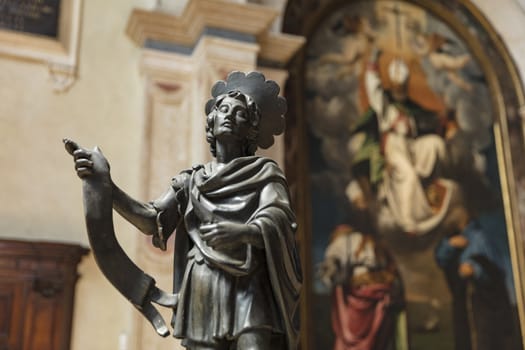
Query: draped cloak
{"points": [[223, 292]]}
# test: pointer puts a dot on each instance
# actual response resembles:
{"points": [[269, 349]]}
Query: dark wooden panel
{"points": [[12, 308], [37, 282], [6, 309], [41, 323]]}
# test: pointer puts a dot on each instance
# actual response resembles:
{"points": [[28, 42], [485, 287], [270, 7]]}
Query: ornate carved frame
{"points": [[303, 16]]}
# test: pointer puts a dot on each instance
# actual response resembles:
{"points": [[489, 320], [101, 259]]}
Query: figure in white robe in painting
{"points": [[410, 159]]}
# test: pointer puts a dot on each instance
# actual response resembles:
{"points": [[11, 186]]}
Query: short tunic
{"points": [[225, 292], [221, 305]]}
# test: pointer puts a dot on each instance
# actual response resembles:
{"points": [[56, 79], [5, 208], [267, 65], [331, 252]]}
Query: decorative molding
{"points": [[279, 47], [247, 23], [186, 28], [161, 65], [62, 76], [59, 54], [214, 57]]}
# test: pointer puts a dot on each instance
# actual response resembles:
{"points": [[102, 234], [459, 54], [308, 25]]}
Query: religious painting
{"points": [[408, 227]]}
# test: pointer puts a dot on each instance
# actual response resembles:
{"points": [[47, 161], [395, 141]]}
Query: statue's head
{"points": [[237, 116], [259, 110]]}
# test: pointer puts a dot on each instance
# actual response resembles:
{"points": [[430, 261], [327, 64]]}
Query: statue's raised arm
{"points": [[98, 193], [237, 274]]}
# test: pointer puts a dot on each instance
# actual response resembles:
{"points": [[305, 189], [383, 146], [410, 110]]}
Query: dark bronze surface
{"points": [[237, 275], [130, 280]]}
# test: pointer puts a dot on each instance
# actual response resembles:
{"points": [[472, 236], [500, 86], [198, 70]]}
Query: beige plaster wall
{"points": [[40, 194], [40, 197]]}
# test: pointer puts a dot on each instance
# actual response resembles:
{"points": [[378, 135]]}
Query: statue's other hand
{"points": [[88, 162], [228, 234]]}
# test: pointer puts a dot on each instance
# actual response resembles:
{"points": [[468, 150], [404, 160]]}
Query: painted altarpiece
{"points": [[403, 153]]}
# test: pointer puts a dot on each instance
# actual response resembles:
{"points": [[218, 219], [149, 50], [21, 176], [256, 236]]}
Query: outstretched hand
{"points": [[87, 162], [227, 234]]}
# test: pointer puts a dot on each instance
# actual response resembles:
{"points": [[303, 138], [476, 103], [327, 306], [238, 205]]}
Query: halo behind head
{"points": [[398, 72], [265, 93]]}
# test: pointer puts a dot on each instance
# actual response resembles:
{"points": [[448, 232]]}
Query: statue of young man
{"points": [[237, 275]]}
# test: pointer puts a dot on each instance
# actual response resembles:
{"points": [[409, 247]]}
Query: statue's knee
{"points": [[256, 340]]}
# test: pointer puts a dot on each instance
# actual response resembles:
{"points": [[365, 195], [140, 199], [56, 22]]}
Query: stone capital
{"points": [[234, 22]]}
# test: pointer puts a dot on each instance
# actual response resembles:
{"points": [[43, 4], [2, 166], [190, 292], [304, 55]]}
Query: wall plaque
{"points": [[31, 16], [45, 31]]}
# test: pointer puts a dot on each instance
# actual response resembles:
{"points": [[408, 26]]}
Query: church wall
{"points": [[40, 193]]}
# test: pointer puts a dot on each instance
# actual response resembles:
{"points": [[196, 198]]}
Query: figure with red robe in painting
{"points": [[367, 295]]}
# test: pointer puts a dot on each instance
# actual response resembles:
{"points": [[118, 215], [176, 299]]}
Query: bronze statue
{"points": [[237, 274]]}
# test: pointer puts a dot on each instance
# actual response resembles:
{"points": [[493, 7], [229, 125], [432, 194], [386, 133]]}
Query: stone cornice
{"points": [[279, 47], [244, 22]]}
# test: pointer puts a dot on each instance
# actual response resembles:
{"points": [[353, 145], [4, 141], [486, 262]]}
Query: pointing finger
{"points": [[207, 227], [209, 235], [81, 153], [70, 145], [83, 172], [83, 163]]}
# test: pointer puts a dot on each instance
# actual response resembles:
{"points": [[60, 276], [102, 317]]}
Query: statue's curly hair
{"points": [[254, 117], [265, 94]]}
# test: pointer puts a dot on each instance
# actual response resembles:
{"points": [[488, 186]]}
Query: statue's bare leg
{"points": [[194, 346], [258, 339]]}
